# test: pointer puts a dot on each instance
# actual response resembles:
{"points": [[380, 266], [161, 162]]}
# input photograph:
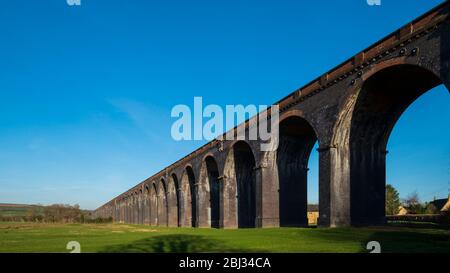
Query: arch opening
{"points": [[172, 202], [193, 193], [244, 163], [297, 139], [418, 149], [188, 199], [147, 216], [141, 208], [162, 203], [380, 103], [153, 205], [214, 191], [136, 208]]}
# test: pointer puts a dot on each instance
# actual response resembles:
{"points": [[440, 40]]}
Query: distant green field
{"points": [[18, 210], [30, 237]]}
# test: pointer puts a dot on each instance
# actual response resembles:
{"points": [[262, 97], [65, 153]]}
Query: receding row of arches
{"points": [[192, 201], [232, 196], [214, 200]]}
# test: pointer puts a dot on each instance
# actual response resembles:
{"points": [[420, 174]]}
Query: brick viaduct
{"points": [[350, 111]]}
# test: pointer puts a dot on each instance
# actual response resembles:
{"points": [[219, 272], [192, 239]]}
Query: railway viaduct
{"points": [[350, 111]]}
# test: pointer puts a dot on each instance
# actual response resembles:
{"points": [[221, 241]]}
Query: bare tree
{"points": [[412, 199], [412, 202]]}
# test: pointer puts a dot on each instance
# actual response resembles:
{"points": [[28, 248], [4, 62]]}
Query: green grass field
{"points": [[30, 237]]}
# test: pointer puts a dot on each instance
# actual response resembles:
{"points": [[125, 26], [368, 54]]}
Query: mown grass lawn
{"points": [[31, 237]]}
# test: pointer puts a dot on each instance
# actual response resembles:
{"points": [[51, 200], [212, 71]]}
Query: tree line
{"points": [[412, 203], [56, 213]]}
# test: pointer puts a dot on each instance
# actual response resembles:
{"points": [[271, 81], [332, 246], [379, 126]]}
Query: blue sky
{"points": [[86, 92]]}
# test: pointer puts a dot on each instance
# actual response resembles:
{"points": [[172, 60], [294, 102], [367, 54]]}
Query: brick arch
{"points": [[140, 207], [296, 139], [125, 208], [238, 199], [146, 204], [134, 207], [300, 114], [362, 130], [172, 201], [153, 204], [162, 203], [188, 202], [208, 193]]}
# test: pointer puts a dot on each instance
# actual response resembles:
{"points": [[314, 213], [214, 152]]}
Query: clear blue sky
{"points": [[86, 92]]}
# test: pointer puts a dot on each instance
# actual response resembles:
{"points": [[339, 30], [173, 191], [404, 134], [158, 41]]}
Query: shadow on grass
{"points": [[410, 242], [175, 244]]}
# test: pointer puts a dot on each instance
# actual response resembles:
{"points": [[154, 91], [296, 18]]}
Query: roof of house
{"points": [[446, 206], [438, 203]]}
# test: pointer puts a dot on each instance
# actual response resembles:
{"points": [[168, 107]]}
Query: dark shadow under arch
{"points": [[176, 184], [244, 161], [154, 205], [297, 138], [193, 192], [383, 98], [135, 208], [147, 215], [214, 190], [162, 203], [141, 208]]}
